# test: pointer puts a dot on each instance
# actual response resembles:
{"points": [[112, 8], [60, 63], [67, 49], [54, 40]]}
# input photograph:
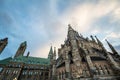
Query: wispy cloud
{"points": [[41, 23]]}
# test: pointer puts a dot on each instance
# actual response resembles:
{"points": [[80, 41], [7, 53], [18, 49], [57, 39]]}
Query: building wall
{"points": [[22, 71], [86, 59]]}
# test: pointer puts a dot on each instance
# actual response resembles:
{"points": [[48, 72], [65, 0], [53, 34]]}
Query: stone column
{"points": [[54, 70], [43, 75], [49, 75], [112, 61], [90, 64], [105, 70], [101, 70], [67, 67], [58, 76]]}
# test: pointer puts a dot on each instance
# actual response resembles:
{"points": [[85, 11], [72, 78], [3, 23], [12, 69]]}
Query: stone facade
{"points": [[80, 58], [24, 67]]}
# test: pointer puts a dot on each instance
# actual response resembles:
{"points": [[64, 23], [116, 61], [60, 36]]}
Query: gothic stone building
{"points": [[24, 67], [79, 58]]}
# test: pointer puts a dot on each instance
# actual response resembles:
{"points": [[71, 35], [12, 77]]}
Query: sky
{"points": [[43, 23]]}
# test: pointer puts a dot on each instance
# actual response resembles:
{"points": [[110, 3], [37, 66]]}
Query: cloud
{"points": [[82, 17], [5, 19], [113, 35], [116, 15], [43, 23]]}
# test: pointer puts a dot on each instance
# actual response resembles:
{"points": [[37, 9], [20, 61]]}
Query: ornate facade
{"points": [[79, 58]]}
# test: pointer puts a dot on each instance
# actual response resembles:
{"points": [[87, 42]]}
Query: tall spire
{"points": [[111, 47], [21, 49], [50, 55]]}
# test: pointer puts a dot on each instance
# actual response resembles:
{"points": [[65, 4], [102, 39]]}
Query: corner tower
{"points": [[21, 49], [3, 43]]}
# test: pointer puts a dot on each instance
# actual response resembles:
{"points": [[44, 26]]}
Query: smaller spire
{"points": [[92, 38], [28, 54], [54, 54], [69, 27], [99, 42], [81, 35], [111, 47], [50, 55], [54, 51]]}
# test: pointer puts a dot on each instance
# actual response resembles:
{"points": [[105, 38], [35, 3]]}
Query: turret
{"points": [[3, 43], [112, 48], [71, 33], [74, 44], [21, 49]]}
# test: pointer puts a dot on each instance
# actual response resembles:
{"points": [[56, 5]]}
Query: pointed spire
{"points": [[92, 38], [81, 35], [101, 45], [50, 55], [99, 42], [111, 47], [71, 33], [28, 54], [69, 27]]}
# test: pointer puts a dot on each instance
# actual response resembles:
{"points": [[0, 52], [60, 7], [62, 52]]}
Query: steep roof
{"points": [[5, 61], [31, 60]]}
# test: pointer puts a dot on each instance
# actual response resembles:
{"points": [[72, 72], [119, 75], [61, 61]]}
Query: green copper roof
{"points": [[5, 61], [32, 60]]}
